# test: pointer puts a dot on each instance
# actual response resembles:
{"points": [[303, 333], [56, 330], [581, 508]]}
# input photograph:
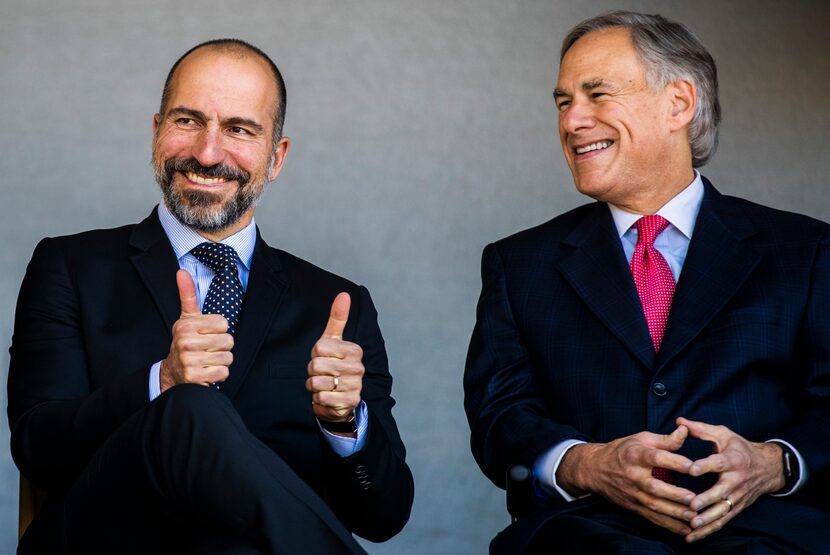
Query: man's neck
{"points": [[652, 199]]}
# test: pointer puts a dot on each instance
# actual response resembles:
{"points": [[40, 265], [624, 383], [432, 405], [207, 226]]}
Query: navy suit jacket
{"points": [[96, 310], [561, 349]]}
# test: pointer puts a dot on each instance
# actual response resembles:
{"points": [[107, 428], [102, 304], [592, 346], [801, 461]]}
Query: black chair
{"points": [[521, 499]]}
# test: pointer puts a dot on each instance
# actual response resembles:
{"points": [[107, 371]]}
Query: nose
{"points": [[207, 149], [578, 116]]}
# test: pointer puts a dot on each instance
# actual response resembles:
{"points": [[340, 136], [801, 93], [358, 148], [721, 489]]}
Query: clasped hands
{"points": [[201, 353], [620, 471]]}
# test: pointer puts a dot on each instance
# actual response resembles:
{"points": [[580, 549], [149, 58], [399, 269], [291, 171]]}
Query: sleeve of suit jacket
{"points": [[372, 490], [509, 420], [57, 422]]}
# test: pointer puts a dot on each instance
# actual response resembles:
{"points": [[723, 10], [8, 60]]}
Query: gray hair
{"points": [[669, 52]]}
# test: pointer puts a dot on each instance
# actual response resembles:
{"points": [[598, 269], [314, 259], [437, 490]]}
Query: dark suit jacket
{"points": [[561, 349], [95, 311]]}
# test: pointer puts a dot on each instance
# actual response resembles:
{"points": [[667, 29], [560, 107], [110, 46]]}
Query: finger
{"points": [[187, 293], [664, 490], [717, 462], [714, 525], [656, 499], [336, 349], [219, 342], [205, 375], [338, 317], [669, 442], [723, 488], [325, 366], [327, 383], [337, 400], [200, 324], [203, 342], [704, 431], [667, 522], [670, 461], [713, 513], [333, 415]]}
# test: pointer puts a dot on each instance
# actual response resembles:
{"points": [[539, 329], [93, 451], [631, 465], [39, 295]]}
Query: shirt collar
{"points": [[681, 211], [183, 239]]}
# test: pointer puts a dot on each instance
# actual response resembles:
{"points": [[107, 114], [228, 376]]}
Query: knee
{"points": [[187, 405]]}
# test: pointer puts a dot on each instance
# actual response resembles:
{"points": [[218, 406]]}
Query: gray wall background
{"points": [[422, 131]]}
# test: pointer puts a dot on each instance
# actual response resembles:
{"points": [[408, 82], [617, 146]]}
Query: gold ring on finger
{"points": [[729, 504], [337, 381]]}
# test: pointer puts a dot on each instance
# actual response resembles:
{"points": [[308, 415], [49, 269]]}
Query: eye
{"points": [[239, 131], [185, 122], [562, 105], [598, 94]]}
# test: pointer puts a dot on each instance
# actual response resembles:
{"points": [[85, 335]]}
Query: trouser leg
{"points": [[187, 460]]}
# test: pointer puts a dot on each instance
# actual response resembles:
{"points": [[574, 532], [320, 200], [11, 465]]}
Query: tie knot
{"points": [[649, 227], [217, 256]]}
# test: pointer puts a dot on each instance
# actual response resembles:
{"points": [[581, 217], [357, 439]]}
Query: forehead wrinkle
{"points": [[587, 86]]}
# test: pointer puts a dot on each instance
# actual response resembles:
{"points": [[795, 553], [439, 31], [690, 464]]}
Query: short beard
{"points": [[201, 210]]}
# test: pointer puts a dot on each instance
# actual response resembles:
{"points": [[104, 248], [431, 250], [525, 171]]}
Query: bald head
{"points": [[242, 49]]}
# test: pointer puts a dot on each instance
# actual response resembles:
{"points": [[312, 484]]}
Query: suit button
{"points": [[659, 389]]}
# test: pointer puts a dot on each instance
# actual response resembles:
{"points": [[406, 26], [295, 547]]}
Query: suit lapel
{"points": [[717, 264], [156, 264], [265, 291], [598, 272]]}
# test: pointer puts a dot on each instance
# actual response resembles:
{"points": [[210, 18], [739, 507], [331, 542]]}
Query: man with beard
{"points": [[178, 386]]}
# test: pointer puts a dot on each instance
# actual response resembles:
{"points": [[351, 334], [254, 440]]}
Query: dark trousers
{"points": [[184, 475], [599, 527]]}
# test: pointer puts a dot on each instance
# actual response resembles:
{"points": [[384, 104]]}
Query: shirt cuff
{"points": [[345, 446], [802, 470], [548, 463], [155, 385]]}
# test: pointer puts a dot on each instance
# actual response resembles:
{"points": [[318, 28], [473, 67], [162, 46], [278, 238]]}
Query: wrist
{"points": [[788, 471], [165, 381], [574, 472], [346, 427]]}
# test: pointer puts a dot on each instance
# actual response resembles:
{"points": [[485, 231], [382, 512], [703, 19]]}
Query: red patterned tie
{"points": [[652, 276], [655, 285]]}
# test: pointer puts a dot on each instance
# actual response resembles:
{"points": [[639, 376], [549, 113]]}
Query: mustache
{"points": [[216, 171]]}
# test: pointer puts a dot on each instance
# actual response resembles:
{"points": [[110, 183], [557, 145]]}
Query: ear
{"points": [[279, 158], [683, 98], [156, 120]]}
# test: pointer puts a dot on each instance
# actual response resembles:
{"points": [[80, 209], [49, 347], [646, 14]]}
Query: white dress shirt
{"points": [[183, 239], [673, 243]]}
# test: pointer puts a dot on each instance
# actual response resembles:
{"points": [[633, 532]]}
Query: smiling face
{"points": [[624, 142], [212, 145]]}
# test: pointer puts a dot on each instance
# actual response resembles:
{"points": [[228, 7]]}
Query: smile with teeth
{"points": [[593, 146], [196, 178]]}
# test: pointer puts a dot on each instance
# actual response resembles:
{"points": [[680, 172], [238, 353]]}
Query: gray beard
{"points": [[201, 210]]}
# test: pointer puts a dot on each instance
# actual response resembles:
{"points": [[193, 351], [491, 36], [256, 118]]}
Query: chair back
{"points": [[31, 499]]}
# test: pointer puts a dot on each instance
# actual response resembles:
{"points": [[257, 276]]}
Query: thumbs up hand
{"points": [[201, 348], [336, 368]]}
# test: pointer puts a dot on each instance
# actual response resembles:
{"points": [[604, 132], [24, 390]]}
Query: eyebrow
{"points": [[587, 86], [231, 122]]}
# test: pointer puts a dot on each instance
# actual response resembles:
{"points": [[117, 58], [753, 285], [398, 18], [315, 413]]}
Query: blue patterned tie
{"points": [[225, 293]]}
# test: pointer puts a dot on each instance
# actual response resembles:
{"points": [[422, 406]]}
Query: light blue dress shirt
{"points": [[673, 243], [183, 239]]}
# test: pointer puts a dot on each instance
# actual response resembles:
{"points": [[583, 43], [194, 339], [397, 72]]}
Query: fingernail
{"points": [[697, 505], [698, 522], [688, 498], [688, 515], [695, 468]]}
